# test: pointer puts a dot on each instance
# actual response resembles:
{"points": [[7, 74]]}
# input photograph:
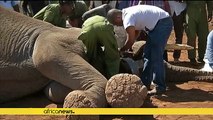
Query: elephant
{"points": [[36, 55], [173, 73], [133, 60], [184, 74]]}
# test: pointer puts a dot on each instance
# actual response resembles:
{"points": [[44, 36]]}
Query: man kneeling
{"points": [[102, 49]]}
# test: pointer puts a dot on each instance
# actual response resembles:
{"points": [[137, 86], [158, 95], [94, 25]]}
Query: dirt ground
{"points": [[190, 94]]}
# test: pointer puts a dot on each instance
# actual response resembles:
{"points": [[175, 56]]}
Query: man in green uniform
{"points": [[75, 19], [56, 14], [102, 49], [197, 24]]}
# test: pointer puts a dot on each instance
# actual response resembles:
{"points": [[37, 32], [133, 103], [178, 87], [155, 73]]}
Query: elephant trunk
{"points": [[181, 74]]}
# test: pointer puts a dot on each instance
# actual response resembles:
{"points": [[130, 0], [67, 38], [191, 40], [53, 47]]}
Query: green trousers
{"points": [[102, 49], [196, 25]]}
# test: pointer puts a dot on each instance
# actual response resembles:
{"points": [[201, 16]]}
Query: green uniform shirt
{"points": [[102, 49], [51, 14], [80, 9]]}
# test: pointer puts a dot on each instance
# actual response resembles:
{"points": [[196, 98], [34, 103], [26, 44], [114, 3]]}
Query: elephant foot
{"points": [[56, 92], [125, 90], [79, 99]]}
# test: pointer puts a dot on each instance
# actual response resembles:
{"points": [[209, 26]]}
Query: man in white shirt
{"points": [[158, 25], [178, 12]]}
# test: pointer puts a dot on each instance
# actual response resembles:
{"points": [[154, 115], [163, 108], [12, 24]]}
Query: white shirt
{"points": [[143, 17], [176, 7], [9, 4]]}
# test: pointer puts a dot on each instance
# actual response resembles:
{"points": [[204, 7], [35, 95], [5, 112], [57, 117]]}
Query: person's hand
{"points": [[120, 52], [209, 17], [123, 53]]}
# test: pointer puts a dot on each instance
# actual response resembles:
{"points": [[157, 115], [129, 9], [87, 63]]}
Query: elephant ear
{"points": [[137, 48], [136, 51]]}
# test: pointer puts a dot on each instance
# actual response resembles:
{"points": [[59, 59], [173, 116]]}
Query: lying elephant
{"points": [[132, 62], [34, 54]]}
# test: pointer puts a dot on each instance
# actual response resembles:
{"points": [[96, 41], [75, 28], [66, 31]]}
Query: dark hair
{"points": [[68, 2]]}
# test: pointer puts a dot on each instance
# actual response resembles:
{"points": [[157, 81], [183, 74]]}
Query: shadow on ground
{"points": [[37, 100], [176, 94]]}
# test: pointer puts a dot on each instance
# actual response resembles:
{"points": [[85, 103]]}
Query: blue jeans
{"points": [[209, 49], [153, 69]]}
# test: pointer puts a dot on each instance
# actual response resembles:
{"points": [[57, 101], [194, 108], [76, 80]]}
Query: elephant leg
{"points": [[60, 64], [56, 92], [18, 82]]}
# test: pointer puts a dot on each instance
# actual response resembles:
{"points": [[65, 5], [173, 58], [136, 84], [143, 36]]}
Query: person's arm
{"points": [[111, 53], [15, 5], [209, 8], [112, 3], [167, 7], [16, 8], [48, 16], [24, 6], [91, 6], [131, 35], [137, 34]]}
